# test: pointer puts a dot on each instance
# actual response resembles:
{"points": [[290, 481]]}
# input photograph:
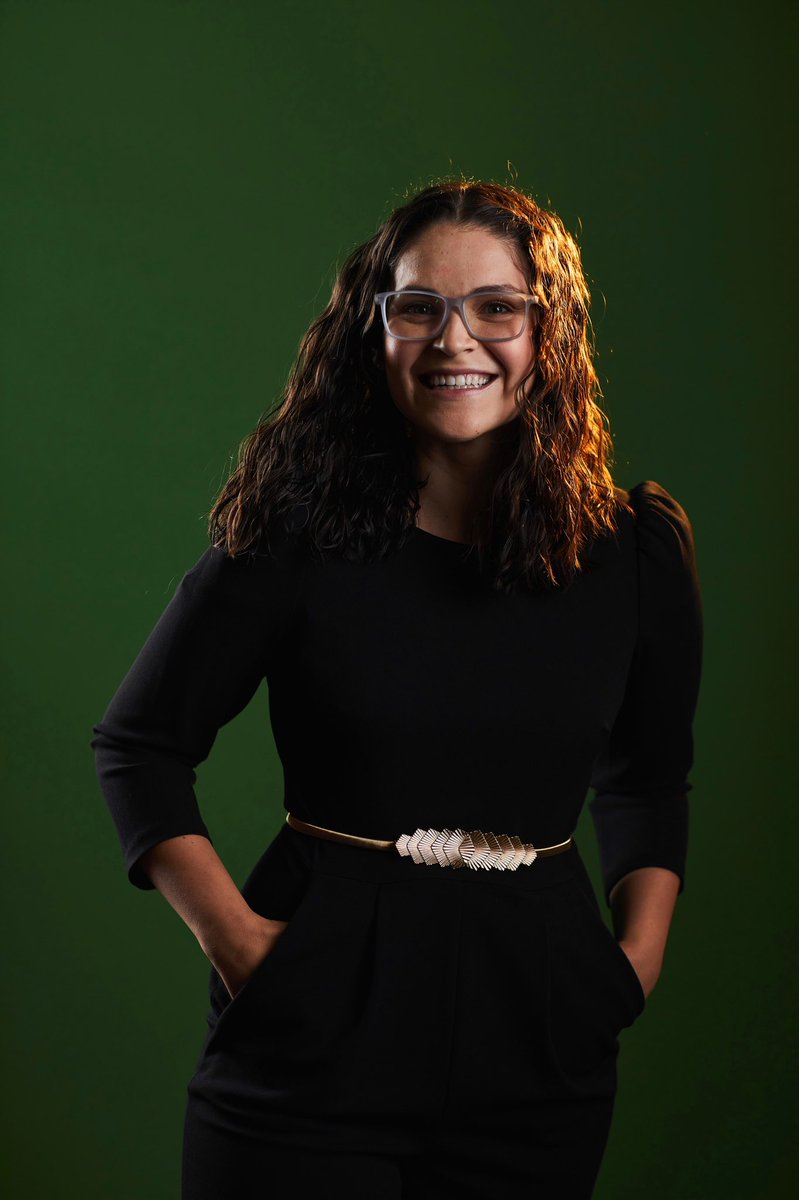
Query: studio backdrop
{"points": [[180, 182]]}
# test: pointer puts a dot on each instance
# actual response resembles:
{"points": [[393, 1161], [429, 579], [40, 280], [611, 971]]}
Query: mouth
{"points": [[458, 384]]}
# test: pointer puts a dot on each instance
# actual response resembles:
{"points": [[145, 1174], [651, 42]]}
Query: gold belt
{"points": [[445, 847]]}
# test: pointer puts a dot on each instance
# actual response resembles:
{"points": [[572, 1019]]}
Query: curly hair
{"points": [[337, 445]]}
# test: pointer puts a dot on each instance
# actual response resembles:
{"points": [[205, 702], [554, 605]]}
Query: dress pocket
{"points": [[617, 954], [593, 992], [307, 994], [222, 1003]]}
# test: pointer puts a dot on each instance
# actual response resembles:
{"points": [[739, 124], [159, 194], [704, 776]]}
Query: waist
{"points": [[457, 856]]}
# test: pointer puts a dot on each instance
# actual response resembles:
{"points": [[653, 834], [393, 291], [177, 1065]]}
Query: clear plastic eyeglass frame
{"points": [[451, 302]]}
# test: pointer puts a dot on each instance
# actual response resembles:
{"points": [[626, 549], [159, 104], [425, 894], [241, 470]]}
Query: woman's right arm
{"points": [[191, 876], [216, 640]]}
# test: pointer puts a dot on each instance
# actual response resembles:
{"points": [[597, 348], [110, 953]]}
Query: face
{"points": [[455, 261]]}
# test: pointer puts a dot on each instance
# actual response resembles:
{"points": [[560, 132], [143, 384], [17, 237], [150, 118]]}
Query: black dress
{"points": [[409, 1008]]}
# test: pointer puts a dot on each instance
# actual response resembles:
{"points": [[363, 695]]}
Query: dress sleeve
{"points": [[199, 667], [640, 806]]}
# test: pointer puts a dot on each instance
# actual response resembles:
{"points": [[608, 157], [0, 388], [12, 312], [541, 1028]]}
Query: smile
{"points": [[471, 382]]}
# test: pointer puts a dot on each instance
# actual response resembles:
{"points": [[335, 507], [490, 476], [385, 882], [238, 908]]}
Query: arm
{"points": [[218, 638], [192, 878], [642, 904], [640, 810]]}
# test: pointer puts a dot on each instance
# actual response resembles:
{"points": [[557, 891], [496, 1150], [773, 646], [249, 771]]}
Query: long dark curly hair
{"points": [[335, 447]]}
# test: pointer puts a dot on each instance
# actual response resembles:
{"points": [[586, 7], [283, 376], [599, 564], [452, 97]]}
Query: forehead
{"points": [[456, 259]]}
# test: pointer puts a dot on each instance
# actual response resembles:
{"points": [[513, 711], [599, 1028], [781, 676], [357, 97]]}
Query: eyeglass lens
{"points": [[488, 315]]}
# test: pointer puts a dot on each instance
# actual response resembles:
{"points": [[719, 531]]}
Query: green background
{"points": [[179, 183]]}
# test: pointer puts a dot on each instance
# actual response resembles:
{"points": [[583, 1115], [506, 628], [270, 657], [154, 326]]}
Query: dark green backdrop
{"points": [[179, 183]]}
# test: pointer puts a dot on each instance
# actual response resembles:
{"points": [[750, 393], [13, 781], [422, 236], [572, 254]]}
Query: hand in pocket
{"points": [[646, 964], [238, 958]]}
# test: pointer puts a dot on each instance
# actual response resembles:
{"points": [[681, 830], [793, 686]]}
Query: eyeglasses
{"points": [[418, 316]]}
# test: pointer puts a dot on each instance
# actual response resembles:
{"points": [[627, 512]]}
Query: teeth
{"points": [[458, 380]]}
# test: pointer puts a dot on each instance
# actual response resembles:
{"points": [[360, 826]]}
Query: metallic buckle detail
{"points": [[471, 848]]}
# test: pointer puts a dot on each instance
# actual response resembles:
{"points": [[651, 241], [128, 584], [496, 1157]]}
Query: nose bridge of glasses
{"points": [[454, 306]]}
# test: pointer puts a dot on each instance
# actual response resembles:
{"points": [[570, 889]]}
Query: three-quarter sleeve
{"points": [[199, 667], [640, 806]]}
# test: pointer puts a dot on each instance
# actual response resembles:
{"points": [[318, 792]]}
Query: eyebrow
{"points": [[488, 287]]}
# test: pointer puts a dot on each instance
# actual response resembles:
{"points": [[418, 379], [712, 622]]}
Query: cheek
{"points": [[399, 386], [518, 363], [391, 353], [398, 364]]}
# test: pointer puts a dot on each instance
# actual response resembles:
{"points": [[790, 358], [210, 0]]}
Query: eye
{"points": [[497, 307], [416, 307], [413, 311]]}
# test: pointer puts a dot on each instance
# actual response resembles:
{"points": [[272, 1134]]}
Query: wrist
{"points": [[646, 958], [225, 929], [647, 948]]}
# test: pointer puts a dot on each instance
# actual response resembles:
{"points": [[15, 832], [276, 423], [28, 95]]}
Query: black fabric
{"points": [[405, 693], [420, 1031], [415, 1031]]}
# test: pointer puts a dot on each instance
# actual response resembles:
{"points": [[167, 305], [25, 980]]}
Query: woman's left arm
{"points": [[642, 906], [640, 809]]}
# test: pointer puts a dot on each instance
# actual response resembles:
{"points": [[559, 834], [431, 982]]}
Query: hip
{"points": [[381, 955]]}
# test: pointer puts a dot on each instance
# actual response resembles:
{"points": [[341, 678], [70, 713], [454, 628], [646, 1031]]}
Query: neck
{"points": [[460, 479]]}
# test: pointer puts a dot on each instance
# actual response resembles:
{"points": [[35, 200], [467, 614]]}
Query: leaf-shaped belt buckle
{"points": [[472, 848]]}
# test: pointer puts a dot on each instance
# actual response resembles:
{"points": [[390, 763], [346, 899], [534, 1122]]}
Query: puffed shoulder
{"points": [[670, 594], [263, 580], [281, 541], [274, 552], [665, 534], [217, 574]]}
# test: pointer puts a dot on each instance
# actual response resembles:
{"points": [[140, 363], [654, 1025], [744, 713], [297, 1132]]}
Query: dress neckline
{"points": [[446, 541]]}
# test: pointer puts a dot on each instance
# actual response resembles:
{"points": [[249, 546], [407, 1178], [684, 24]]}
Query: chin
{"points": [[457, 431]]}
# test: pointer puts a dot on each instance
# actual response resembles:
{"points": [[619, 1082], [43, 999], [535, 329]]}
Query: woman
{"points": [[463, 624]]}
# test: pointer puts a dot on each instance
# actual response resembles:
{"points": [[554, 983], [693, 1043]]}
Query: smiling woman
{"points": [[463, 624], [366, 448]]}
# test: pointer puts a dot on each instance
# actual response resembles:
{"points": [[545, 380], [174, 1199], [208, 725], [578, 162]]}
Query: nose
{"points": [[454, 336]]}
